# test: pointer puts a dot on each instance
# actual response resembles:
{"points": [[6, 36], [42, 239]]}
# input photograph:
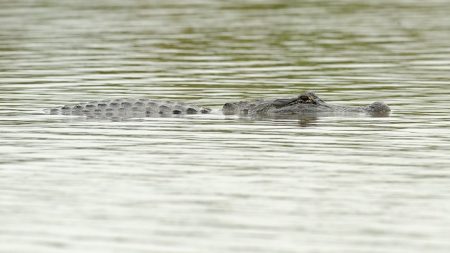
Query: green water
{"points": [[215, 183]]}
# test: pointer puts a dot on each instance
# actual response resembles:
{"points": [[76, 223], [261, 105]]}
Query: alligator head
{"points": [[306, 103]]}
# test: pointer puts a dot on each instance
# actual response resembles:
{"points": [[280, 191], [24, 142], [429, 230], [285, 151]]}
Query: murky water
{"points": [[224, 184]]}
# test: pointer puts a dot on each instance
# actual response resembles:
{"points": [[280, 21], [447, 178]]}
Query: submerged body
{"points": [[306, 103]]}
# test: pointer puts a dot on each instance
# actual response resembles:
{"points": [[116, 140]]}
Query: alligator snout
{"points": [[379, 107]]}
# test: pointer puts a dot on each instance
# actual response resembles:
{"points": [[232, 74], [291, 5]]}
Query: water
{"points": [[224, 184]]}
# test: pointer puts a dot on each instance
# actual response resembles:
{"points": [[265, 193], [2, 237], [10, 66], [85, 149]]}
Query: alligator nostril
{"points": [[379, 107]]}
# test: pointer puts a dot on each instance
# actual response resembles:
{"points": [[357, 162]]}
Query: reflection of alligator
{"points": [[306, 103]]}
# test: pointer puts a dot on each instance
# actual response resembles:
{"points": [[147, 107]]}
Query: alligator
{"points": [[303, 104]]}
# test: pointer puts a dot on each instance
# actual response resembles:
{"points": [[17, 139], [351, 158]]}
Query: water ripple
{"points": [[215, 183]]}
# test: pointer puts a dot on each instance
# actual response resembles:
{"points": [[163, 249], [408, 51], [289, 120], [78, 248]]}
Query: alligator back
{"points": [[128, 108]]}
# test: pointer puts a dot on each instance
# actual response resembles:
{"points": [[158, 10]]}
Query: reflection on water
{"points": [[337, 183]]}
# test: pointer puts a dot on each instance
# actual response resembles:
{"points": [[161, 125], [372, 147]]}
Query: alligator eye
{"points": [[304, 98]]}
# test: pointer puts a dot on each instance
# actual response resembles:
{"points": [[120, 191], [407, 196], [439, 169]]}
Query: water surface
{"points": [[225, 184]]}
